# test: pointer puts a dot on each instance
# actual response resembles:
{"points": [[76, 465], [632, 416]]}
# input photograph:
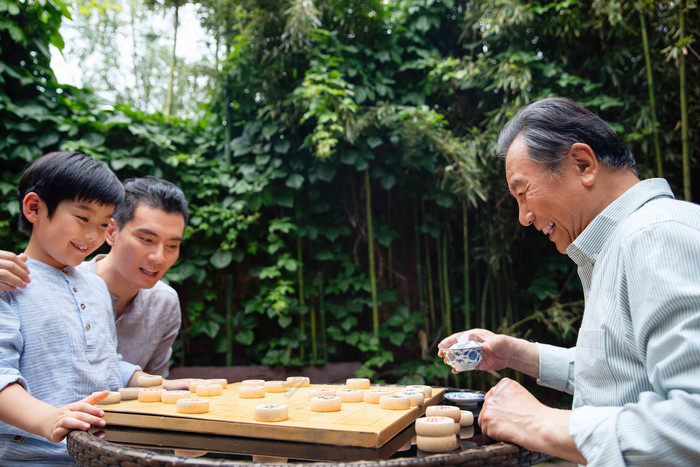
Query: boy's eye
{"points": [[84, 219]]}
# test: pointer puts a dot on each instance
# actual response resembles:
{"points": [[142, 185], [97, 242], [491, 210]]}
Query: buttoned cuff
{"points": [[556, 367], [593, 429]]}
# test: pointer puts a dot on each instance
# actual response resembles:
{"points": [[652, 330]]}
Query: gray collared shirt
{"points": [[635, 370], [148, 326]]}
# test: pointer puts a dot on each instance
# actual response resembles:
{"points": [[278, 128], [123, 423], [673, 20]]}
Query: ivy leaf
{"points": [[282, 146], [295, 181], [221, 259], [240, 146], [245, 337], [374, 141], [388, 181], [444, 200], [284, 321], [209, 328]]}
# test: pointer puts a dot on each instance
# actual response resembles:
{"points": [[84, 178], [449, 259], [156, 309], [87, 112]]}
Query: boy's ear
{"points": [[32, 204], [112, 230]]}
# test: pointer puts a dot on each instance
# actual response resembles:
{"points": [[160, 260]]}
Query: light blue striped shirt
{"points": [[635, 370], [58, 340]]}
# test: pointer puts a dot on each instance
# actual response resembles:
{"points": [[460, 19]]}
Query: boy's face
{"points": [[147, 246], [76, 229]]}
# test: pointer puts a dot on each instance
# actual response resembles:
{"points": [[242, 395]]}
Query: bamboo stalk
{"points": [[173, 60], [312, 324], [390, 255], [484, 294], [687, 195], [441, 282], [445, 276], [229, 319], [652, 98], [467, 298], [300, 278], [465, 245], [429, 270], [370, 241], [419, 267], [322, 313]]}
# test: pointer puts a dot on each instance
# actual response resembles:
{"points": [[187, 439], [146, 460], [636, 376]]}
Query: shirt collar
{"points": [[589, 243], [37, 265]]}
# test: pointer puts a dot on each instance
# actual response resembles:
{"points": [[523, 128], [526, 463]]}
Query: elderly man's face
{"points": [[553, 204]]}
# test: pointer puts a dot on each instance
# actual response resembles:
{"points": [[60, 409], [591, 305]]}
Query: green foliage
{"points": [[311, 96]]}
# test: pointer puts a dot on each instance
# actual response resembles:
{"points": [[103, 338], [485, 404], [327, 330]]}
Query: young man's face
{"points": [[75, 230], [147, 246]]}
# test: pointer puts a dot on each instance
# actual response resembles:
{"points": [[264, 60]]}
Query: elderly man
{"points": [[635, 370]]}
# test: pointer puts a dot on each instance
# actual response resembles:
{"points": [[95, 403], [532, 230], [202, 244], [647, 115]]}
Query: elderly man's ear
{"points": [[586, 163]]}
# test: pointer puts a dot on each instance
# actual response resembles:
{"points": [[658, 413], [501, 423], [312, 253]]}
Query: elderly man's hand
{"points": [[497, 349], [510, 413]]}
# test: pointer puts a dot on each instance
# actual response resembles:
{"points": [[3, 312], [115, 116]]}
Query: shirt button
{"points": [[82, 306], [74, 289], [87, 327]]}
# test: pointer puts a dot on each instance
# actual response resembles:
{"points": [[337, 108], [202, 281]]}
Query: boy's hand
{"points": [[77, 416], [13, 272]]}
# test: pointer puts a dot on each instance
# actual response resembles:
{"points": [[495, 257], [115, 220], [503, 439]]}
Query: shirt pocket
{"points": [[593, 377]]}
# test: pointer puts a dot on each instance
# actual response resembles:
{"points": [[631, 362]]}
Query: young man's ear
{"points": [[32, 204], [112, 230]]}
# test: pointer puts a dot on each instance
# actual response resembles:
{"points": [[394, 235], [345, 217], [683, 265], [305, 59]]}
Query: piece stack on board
{"points": [[439, 430]]}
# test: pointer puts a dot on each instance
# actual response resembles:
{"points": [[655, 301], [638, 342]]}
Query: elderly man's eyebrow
{"points": [[515, 184]]}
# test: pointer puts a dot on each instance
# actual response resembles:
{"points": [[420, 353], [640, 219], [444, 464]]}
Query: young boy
{"points": [[57, 336], [145, 234]]}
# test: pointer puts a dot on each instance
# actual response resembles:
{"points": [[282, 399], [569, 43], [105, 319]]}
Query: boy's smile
{"points": [[76, 229]]}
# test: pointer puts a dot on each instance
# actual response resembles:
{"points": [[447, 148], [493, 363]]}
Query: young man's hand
{"points": [[13, 272]]}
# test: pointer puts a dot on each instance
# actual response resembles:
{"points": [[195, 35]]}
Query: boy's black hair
{"points": [[152, 192], [68, 176]]}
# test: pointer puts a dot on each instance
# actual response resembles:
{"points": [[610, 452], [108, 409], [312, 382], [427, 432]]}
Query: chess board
{"points": [[357, 424]]}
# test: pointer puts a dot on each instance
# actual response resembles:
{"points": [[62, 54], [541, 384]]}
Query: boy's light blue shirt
{"points": [[635, 370], [58, 340]]}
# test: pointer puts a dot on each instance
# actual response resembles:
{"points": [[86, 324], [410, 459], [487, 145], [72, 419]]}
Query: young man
{"points": [[145, 235], [635, 370]]}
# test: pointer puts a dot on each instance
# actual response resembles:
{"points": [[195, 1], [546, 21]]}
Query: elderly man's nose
{"points": [[526, 217]]}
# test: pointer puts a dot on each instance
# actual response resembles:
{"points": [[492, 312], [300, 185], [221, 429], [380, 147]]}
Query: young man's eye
{"points": [[173, 247]]}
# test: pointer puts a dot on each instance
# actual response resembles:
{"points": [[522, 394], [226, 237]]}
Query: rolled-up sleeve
{"points": [[11, 343], [556, 367]]}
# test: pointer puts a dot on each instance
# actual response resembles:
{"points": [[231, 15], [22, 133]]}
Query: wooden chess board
{"points": [[356, 424]]}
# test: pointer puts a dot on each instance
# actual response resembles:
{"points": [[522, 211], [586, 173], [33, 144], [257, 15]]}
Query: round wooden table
{"points": [[90, 450]]}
